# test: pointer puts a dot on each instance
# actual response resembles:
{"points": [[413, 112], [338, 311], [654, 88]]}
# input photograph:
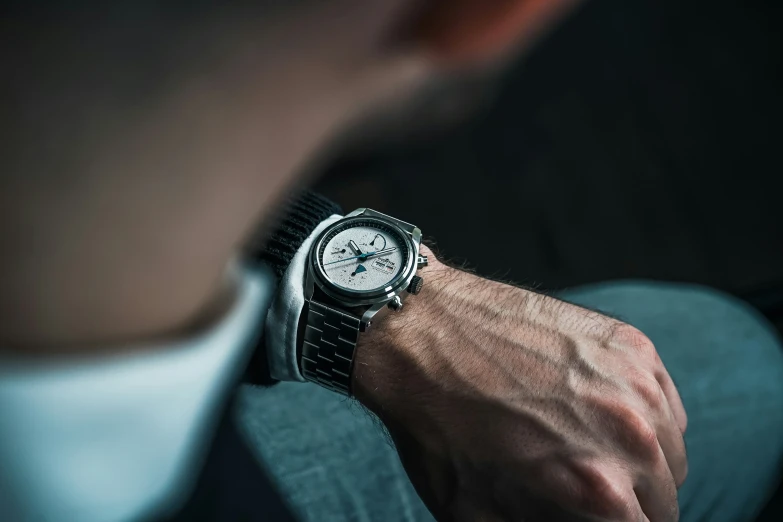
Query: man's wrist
{"points": [[396, 344]]}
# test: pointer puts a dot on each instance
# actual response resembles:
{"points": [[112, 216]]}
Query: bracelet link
{"points": [[328, 347]]}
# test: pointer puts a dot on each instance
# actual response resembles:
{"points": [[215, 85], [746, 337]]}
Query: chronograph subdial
{"points": [[381, 242]]}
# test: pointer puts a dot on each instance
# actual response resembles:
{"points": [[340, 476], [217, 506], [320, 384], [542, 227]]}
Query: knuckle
{"points": [[603, 494], [631, 336], [648, 389], [643, 439], [634, 432]]}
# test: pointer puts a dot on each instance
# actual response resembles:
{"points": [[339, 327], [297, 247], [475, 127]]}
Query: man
{"points": [[141, 145]]}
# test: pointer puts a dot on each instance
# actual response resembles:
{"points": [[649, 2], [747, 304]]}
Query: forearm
{"points": [[490, 391]]}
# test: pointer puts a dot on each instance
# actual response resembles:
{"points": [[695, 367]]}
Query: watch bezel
{"points": [[364, 297]]}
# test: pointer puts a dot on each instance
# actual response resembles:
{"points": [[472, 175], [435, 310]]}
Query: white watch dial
{"points": [[363, 256]]}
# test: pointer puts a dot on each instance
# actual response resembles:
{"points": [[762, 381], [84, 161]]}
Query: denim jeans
{"points": [[332, 461]]}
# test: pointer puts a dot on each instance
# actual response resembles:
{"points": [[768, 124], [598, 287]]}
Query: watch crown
{"points": [[415, 286]]}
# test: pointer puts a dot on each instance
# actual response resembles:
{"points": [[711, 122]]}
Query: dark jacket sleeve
{"points": [[300, 217], [301, 214]]}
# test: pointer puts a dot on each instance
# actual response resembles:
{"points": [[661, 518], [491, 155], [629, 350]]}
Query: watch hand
{"points": [[346, 259], [363, 256], [379, 252], [355, 247]]}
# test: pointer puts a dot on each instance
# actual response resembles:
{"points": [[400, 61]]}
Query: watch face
{"points": [[363, 255]]}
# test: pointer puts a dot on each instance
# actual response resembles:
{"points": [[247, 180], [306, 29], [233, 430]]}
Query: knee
{"points": [[722, 344], [727, 362], [747, 349]]}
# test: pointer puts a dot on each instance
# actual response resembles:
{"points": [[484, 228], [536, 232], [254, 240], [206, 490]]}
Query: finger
{"points": [[657, 492], [636, 512], [590, 491], [673, 397], [672, 443], [631, 511], [662, 431]]}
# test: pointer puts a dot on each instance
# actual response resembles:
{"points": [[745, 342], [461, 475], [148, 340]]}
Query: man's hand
{"points": [[509, 405]]}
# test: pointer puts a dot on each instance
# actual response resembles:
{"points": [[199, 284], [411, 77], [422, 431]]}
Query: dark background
{"points": [[640, 139]]}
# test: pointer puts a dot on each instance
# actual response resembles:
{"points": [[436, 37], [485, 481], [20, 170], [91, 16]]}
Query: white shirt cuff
{"points": [[282, 320], [121, 438]]}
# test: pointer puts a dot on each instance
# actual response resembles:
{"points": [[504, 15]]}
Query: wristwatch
{"points": [[359, 268]]}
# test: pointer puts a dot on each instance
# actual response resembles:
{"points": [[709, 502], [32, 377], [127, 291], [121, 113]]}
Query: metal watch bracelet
{"points": [[328, 347]]}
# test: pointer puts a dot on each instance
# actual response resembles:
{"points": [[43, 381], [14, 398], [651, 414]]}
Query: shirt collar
{"points": [[122, 439]]}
